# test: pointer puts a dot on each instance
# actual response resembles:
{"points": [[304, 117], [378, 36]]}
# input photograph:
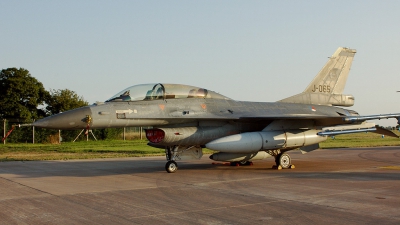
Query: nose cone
{"points": [[73, 119]]}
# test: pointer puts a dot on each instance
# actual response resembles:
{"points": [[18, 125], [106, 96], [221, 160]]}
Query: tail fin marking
{"points": [[327, 87]]}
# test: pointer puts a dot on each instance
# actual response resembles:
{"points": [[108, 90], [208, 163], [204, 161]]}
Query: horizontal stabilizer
{"points": [[359, 128], [380, 130]]}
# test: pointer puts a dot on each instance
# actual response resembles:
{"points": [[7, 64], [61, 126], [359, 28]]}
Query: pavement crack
{"points": [[23, 185]]}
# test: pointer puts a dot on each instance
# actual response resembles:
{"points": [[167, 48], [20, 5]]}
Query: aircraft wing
{"points": [[353, 124], [257, 116]]}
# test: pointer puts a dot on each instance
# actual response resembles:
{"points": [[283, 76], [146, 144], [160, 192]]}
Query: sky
{"points": [[247, 50]]}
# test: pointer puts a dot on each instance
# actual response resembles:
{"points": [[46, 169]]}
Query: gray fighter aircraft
{"points": [[185, 119]]}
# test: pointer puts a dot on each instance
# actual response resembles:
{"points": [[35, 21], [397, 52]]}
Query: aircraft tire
{"points": [[284, 161], [171, 166]]}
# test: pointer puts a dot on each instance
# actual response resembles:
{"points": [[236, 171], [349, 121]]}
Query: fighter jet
{"points": [[185, 119]]}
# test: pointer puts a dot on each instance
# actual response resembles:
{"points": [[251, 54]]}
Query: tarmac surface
{"points": [[331, 186]]}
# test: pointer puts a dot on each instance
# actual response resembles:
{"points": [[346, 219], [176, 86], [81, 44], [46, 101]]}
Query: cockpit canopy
{"points": [[163, 91]]}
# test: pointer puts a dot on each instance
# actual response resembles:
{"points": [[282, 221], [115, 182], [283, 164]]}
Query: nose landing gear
{"points": [[170, 153]]}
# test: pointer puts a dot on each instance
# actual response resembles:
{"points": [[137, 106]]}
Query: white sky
{"points": [[246, 50]]}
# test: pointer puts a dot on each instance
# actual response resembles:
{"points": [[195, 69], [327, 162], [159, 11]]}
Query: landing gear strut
{"points": [[170, 153], [283, 161]]}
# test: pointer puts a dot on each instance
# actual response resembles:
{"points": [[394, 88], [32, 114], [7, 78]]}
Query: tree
{"points": [[63, 100], [20, 95]]}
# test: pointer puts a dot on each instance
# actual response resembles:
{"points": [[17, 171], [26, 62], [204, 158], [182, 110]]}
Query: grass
{"points": [[77, 150], [139, 148], [360, 140]]}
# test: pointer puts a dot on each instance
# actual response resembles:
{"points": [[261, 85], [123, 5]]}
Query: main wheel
{"points": [[284, 161], [171, 166]]}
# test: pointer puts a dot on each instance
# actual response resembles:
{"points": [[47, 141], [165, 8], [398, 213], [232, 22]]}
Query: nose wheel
{"points": [[171, 166], [170, 153]]}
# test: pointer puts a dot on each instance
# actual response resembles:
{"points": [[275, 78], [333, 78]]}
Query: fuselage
{"points": [[176, 112]]}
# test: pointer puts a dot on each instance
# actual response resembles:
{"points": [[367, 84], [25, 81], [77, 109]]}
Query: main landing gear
{"points": [[170, 153], [282, 161]]}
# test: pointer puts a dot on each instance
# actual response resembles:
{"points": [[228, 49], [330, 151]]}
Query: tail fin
{"points": [[328, 85]]}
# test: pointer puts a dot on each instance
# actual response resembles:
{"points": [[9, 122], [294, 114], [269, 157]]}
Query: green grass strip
{"points": [[139, 148]]}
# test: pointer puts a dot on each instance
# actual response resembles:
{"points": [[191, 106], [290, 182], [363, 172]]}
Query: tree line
{"points": [[23, 99]]}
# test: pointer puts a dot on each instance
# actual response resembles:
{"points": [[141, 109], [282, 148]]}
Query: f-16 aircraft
{"points": [[185, 119]]}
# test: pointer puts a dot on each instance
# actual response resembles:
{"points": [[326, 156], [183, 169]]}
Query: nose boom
{"points": [[73, 119]]}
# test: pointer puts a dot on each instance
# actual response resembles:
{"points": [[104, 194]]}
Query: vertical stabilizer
{"points": [[327, 87], [333, 76]]}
